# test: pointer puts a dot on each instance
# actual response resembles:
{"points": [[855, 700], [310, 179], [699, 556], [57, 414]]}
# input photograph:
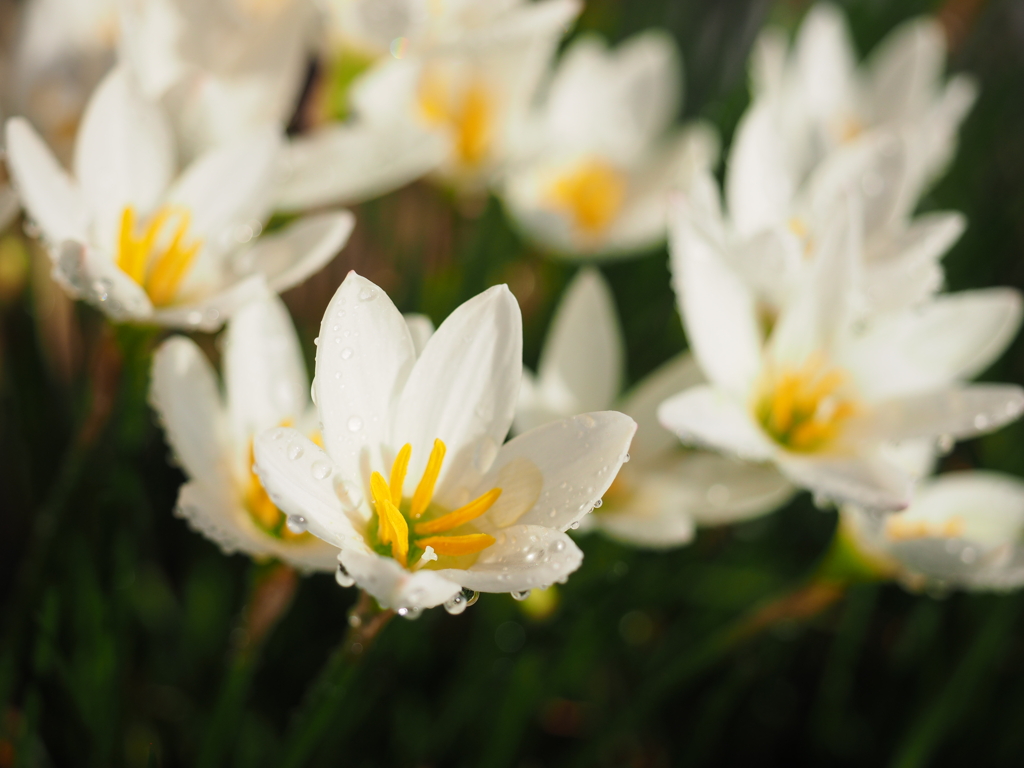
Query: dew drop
{"points": [[575, 525], [625, 459], [980, 421], [355, 424], [346, 353], [316, 342], [946, 443], [520, 595], [312, 391], [598, 503], [558, 546], [296, 524], [406, 613], [342, 577], [295, 451], [368, 294], [460, 601], [320, 470]]}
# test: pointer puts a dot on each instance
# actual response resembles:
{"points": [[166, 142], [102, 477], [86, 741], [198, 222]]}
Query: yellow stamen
{"points": [[469, 544], [460, 516], [263, 511], [804, 409], [899, 529], [466, 113], [592, 193], [169, 265], [425, 490], [398, 470], [392, 527]]}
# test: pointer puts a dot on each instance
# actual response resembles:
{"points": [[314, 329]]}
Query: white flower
{"points": [[829, 100], [962, 529], [825, 394], [601, 154], [663, 491], [146, 244], [265, 385], [473, 91], [413, 484], [221, 68]]}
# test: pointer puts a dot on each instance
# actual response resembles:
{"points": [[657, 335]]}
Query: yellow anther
{"points": [[398, 470], [460, 516], [804, 408], [466, 113], [592, 193], [169, 264], [425, 490], [392, 527], [469, 544], [262, 510], [900, 529]]}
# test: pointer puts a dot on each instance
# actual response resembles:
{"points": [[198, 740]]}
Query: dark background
{"points": [[122, 629]]}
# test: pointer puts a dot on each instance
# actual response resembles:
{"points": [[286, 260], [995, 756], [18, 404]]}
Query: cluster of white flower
{"points": [[824, 356]]}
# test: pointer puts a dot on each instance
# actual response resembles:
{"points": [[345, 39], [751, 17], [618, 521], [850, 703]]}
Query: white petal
{"points": [[523, 557], [290, 255], [220, 517], [552, 475], [706, 416], [760, 182], [88, 273], [363, 358], [210, 312], [264, 373], [50, 197], [655, 518], [865, 481], [183, 392], [124, 153], [581, 363], [392, 585], [642, 402], [728, 490], [905, 70], [958, 412], [463, 390], [350, 163], [954, 337], [826, 61], [228, 186], [718, 310], [421, 328], [301, 480]]}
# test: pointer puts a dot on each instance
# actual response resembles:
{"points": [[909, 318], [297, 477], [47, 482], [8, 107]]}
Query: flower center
{"points": [[899, 529], [591, 193], [466, 112], [804, 408], [413, 529], [160, 257]]}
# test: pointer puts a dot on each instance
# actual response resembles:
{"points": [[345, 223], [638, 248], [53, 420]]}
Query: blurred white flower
{"points": [[414, 485], [664, 490], [825, 394], [265, 385], [601, 155], [962, 529], [473, 92], [827, 100], [146, 244], [221, 68]]}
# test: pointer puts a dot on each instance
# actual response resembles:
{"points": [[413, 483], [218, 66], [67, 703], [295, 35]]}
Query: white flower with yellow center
{"points": [[601, 154], [413, 484], [962, 530], [664, 490], [146, 244], [827, 100], [470, 92], [264, 385], [826, 395]]}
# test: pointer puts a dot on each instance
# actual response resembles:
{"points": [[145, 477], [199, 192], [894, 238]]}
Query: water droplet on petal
{"points": [[460, 601], [520, 595], [320, 470], [295, 451], [342, 577], [346, 353], [558, 546], [980, 421], [355, 424], [368, 294], [296, 524], [316, 342], [575, 525], [312, 391], [406, 613], [598, 503]]}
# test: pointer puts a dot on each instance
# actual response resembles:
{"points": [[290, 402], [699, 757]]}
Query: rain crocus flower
{"points": [[473, 91], [962, 530], [413, 484], [825, 393], [828, 100], [147, 244], [265, 385], [601, 155], [664, 490]]}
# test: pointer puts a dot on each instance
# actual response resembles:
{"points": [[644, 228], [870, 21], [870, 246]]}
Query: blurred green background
{"points": [[123, 635]]}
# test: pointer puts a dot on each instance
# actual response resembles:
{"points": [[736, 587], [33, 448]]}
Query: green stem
{"points": [[327, 693]]}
